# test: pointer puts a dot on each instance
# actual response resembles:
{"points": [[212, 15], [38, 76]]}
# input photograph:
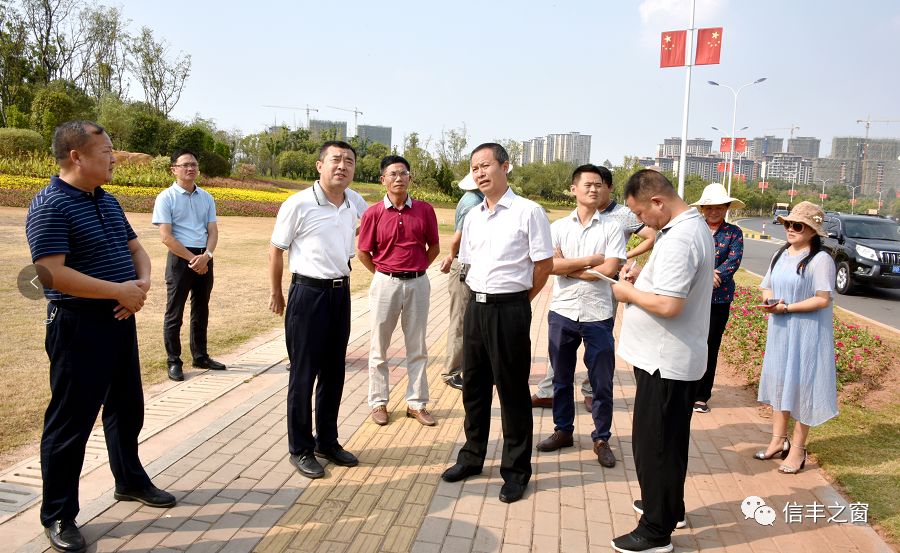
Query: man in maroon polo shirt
{"points": [[398, 240]]}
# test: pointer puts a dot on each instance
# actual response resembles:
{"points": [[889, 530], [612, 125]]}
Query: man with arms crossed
{"points": [[186, 217], [398, 240], [608, 209], [664, 335], [506, 240], [317, 227], [96, 275], [582, 309], [456, 284]]}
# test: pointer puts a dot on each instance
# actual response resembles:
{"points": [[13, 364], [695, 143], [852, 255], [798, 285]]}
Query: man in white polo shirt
{"points": [[186, 217], [664, 334], [582, 310], [317, 227], [506, 240]]}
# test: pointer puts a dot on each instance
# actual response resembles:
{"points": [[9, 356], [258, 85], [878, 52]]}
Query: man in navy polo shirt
{"points": [[96, 275], [398, 240], [186, 217]]}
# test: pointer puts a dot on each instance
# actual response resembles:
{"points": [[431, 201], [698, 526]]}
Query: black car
{"points": [[865, 249]]}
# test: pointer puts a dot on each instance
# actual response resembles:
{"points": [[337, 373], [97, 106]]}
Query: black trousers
{"points": [[497, 351], [317, 328], [93, 363], [718, 318], [181, 280], [661, 434]]}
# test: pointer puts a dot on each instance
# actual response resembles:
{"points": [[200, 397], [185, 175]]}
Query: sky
{"points": [[514, 70]]}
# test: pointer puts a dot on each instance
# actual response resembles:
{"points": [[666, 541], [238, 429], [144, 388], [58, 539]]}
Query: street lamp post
{"points": [[733, 122], [822, 195], [853, 196]]}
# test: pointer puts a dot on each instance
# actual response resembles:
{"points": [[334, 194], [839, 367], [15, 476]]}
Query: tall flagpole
{"points": [[689, 54]]}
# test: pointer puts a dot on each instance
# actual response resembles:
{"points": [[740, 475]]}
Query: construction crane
{"points": [[868, 121], [307, 109], [356, 113], [792, 128]]}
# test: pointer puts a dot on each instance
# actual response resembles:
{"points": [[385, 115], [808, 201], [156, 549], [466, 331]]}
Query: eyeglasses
{"points": [[187, 165], [394, 175], [794, 226]]}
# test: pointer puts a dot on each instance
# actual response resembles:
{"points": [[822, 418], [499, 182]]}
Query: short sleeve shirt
{"points": [[680, 266], [502, 245], [89, 229], [582, 300], [629, 221], [398, 238], [317, 234], [469, 200], [189, 213]]}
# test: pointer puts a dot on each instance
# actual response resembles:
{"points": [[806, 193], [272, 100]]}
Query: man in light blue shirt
{"points": [[186, 217]]}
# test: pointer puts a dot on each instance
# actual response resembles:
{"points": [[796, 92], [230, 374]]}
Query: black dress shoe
{"points": [[338, 455], [557, 440], [175, 372], [633, 543], [209, 363], [64, 535], [453, 380], [512, 492], [151, 497], [459, 472], [308, 465]]}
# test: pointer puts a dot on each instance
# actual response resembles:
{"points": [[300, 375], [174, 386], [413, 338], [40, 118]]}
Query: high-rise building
{"points": [[707, 167], [762, 146], [806, 147], [870, 165], [671, 147], [787, 167], [316, 126], [374, 133], [573, 147]]}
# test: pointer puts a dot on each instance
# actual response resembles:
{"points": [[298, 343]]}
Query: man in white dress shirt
{"points": [[506, 242]]}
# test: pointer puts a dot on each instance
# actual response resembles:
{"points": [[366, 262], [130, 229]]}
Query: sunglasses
{"points": [[794, 226]]}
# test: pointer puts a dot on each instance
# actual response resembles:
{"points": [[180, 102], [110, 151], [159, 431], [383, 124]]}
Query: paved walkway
{"points": [[219, 443]]}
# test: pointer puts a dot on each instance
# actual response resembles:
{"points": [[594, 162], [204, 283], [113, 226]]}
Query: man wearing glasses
{"points": [[186, 217], [398, 240]]}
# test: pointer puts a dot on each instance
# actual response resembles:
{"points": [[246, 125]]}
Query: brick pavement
{"points": [[227, 464]]}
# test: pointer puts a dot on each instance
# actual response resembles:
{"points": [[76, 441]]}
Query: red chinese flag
{"points": [[671, 50], [825, 196], [720, 167], [709, 46], [763, 185], [740, 145], [725, 145], [792, 193]]}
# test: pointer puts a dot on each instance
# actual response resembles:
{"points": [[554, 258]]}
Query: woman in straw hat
{"points": [[729, 240], [798, 374]]}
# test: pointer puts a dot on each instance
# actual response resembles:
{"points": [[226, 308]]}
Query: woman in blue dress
{"points": [[798, 378]]}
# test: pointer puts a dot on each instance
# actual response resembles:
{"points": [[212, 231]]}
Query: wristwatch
{"points": [[209, 253]]}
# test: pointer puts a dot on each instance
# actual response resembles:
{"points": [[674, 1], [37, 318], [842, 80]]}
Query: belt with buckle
{"points": [[404, 275], [320, 282], [479, 297]]}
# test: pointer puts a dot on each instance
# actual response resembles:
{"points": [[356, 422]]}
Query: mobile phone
{"points": [[772, 301]]}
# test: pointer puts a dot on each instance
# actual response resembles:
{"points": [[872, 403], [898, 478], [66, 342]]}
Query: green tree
{"points": [[16, 65], [105, 58], [50, 108], [161, 78]]}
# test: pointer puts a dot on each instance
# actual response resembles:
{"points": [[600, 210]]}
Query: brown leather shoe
{"points": [[380, 415], [589, 404], [422, 415], [604, 454], [542, 402], [556, 440]]}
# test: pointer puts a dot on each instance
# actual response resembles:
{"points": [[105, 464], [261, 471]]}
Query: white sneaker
{"points": [[638, 506]]}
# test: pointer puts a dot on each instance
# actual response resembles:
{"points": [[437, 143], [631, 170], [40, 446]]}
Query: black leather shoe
{"points": [[308, 465], [460, 472], [557, 440], [151, 497], [175, 372], [209, 363], [338, 455], [64, 535], [512, 492], [453, 380]]}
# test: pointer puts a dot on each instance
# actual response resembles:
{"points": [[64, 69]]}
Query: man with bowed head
{"points": [[96, 276], [506, 240], [664, 335]]}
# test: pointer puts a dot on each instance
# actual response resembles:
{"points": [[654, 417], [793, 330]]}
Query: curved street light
{"points": [[822, 195], [733, 121]]}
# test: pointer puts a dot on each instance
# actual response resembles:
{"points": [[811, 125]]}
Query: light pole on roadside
{"points": [[732, 141], [853, 196], [733, 121], [822, 195]]}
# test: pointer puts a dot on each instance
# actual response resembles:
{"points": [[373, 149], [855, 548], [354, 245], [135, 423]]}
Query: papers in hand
{"points": [[600, 276]]}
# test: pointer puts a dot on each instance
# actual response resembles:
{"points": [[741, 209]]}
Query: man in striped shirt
{"points": [[96, 275]]}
